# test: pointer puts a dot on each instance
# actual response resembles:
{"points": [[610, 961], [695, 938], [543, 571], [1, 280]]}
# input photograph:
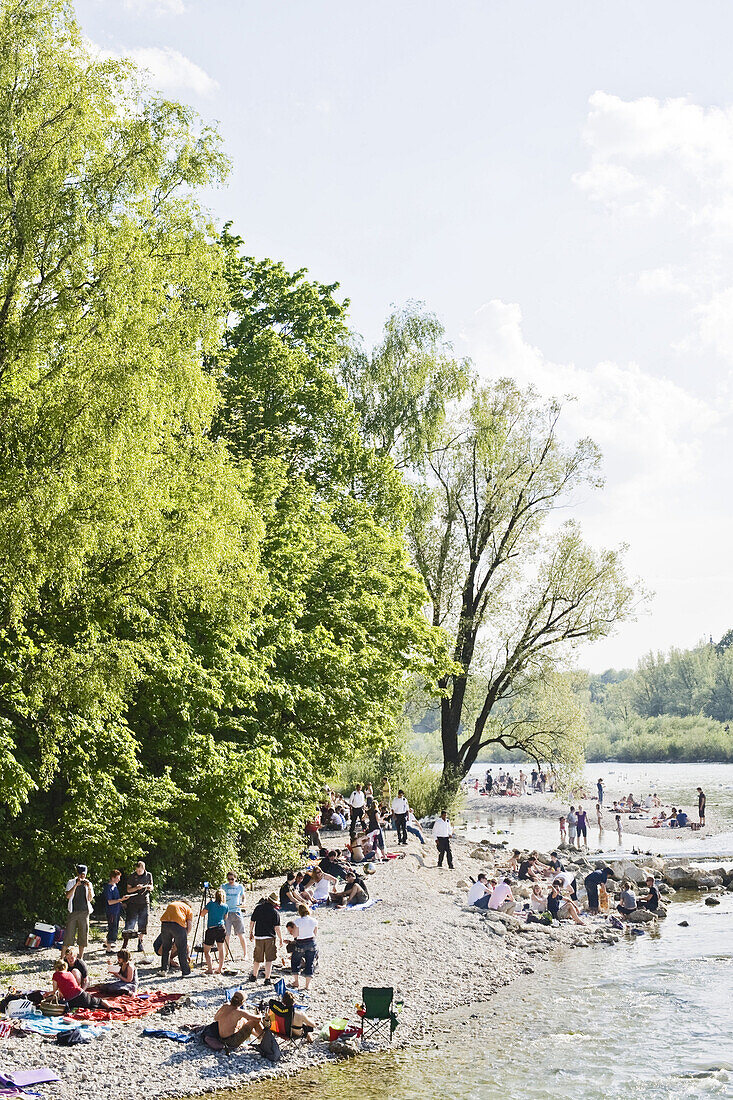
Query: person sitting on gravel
{"points": [[478, 890], [529, 868], [650, 900], [76, 965], [413, 826], [122, 980], [514, 860], [67, 987], [555, 865], [502, 899], [627, 903], [560, 907], [332, 864], [319, 887], [537, 900], [354, 892], [289, 900], [233, 1025]]}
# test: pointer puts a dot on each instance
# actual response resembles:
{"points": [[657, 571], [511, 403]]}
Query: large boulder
{"points": [[640, 916], [707, 881], [633, 873], [681, 878]]}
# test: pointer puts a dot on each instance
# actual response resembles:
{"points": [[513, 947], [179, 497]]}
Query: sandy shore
{"points": [[420, 937]]}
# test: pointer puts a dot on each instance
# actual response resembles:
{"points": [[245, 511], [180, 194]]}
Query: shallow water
{"points": [[674, 783], [651, 1017]]}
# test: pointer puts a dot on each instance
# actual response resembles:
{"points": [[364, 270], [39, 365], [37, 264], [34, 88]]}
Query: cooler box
{"points": [[46, 934]]}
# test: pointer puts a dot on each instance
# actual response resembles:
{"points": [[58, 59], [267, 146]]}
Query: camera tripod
{"points": [[198, 949]]}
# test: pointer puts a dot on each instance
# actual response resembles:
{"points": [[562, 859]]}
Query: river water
{"points": [[651, 1017]]}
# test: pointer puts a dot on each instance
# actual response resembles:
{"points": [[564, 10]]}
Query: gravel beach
{"points": [[419, 937]]}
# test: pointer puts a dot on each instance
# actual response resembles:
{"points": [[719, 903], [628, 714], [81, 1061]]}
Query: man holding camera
{"points": [[79, 898]]}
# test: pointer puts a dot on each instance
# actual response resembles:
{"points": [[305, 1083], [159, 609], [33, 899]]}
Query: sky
{"points": [[554, 180]]}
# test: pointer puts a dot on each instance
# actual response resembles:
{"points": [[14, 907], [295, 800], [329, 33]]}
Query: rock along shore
{"points": [[420, 937]]}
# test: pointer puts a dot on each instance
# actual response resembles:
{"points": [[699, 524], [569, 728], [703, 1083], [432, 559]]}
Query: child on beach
{"points": [[618, 827], [563, 831]]}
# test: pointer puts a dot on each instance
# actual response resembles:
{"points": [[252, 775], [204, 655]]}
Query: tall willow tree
{"points": [[117, 511], [514, 590]]}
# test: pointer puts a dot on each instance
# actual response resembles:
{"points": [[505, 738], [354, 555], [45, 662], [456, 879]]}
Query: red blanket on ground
{"points": [[129, 1007]]}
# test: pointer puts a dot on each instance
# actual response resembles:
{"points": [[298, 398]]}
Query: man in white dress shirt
{"points": [[400, 808], [357, 802], [442, 832]]}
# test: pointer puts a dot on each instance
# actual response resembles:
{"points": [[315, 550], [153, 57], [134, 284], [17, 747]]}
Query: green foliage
{"points": [[413, 772], [674, 706], [514, 595], [206, 598]]}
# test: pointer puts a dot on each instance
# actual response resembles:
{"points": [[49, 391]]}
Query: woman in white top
{"points": [[305, 951], [537, 901]]}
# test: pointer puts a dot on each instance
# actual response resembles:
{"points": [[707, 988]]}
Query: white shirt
{"points": [[306, 927], [90, 893], [320, 892], [357, 800], [400, 805], [565, 877], [477, 890], [499, 895], [442, 828]]}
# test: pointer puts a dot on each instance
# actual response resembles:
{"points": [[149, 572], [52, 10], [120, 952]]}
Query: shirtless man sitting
{"points": [[233, 1025]]}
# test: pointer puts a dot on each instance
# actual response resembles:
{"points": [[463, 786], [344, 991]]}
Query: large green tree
{"points": [[514, 590], [117, 511]]}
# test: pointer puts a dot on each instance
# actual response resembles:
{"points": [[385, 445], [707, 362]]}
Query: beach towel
{"points": [[53, 1025], [176, 1036], [74, 1037], [22, 1077], [128, 1007], [363, 905]]}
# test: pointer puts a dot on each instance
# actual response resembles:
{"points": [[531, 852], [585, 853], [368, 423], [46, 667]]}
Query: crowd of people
{"points": [[554, 890], [282, 925]]}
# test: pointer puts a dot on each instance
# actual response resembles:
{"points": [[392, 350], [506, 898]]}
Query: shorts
{"points": [[77, 924], [233, 922], [265, 950], [215, 934], [136, 918]]}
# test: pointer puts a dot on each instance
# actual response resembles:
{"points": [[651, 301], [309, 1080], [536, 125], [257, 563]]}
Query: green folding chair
{"points": [[378, 1013]]}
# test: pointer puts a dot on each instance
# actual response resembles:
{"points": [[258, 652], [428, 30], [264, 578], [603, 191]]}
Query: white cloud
{"points": [[649, 428], [170, 71], [655, 155]]}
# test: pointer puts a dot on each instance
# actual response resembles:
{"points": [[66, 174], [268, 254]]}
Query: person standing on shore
{"points": [[400, 809], [701, 800], [572, 827], [618, 828], [79, 898], [264, 928], [137, 893], [563, 831], [234, 921], [489, 782], [599, 814], [599, 787], [357, 802], [112, 908], [582, 825], [442, 832]]}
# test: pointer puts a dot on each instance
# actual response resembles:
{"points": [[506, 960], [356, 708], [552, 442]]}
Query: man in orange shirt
{"points": [[175, 924]]}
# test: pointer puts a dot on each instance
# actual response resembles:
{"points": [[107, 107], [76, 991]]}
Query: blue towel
{"points": [[176, 1036]]}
